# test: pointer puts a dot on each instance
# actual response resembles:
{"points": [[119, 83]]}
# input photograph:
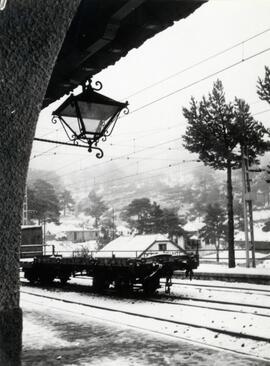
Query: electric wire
{"points": [[169, 166], [112, 159], [197, 63], [199, 81], [195, 82], [188, 85]]}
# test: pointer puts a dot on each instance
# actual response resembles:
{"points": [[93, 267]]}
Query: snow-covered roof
{"points": [[194, 225], [194, 237], [127, 246], [259, 235]]}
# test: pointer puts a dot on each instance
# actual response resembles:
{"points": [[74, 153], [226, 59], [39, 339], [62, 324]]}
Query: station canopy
{"points": [[103, 31]]}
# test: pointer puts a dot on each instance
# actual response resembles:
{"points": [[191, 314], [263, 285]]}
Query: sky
{"points": [[158, 80]]}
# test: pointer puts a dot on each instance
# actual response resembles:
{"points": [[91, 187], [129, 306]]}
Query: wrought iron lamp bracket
{"points": [[88, 85], [100, 152]]}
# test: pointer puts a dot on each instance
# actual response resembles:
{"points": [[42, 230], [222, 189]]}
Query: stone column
{"points": [[31, 34]]}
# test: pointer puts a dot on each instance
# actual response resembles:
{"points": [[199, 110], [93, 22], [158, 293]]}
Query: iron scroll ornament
{"points": [[75, 141]]}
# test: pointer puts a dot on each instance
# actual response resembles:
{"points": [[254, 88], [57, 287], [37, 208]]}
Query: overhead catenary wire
{"points": [[194, 83], [241, 43], [200, 80], [123, 156], [206, 59], [139, 173], [219, 53], [139, 177], [178, 90], [112, 159]]}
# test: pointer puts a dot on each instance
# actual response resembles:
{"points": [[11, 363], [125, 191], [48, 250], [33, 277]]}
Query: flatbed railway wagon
{"points": [[123, 273]]}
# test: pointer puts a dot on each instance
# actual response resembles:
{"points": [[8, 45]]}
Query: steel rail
{"points": [[213, 329], [223, 288]]}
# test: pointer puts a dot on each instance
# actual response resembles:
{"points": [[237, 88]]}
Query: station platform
{"points": [[238, 274]]}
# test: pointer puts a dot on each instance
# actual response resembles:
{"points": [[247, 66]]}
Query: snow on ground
{"points": [[240, 257], [47, 337], [261, 215], [246, 323], [261, 269], [265, 265], [81, 317], [98, 342]]}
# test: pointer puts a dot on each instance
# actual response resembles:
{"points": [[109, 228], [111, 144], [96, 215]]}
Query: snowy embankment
{"points": [[261, 268]]}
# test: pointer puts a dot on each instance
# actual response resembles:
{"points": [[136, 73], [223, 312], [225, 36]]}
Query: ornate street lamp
{"points": [[89, 116]]}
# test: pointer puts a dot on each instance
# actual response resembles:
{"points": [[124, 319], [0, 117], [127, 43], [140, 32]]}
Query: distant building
{"points": [[80, 235], [31, 241], [139, 246], [192, 229]]}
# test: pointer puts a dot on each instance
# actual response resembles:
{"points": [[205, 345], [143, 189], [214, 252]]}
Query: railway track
{"points": [[164, 322], [188, 301], [254, 308], [222, 288]]}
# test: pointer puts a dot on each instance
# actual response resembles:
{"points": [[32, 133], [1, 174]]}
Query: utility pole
{"points": [[44, 231], [250, 209], [113, 224], [244, 191]]}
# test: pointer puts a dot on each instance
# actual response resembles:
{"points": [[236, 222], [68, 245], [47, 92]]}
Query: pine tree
{"points": [[215, 226], [43, 202], [66, 200], [96, 207], [137, 214], [216, 130], [263, 86]]}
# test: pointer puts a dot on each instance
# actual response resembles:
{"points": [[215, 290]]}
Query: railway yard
{"points": [[198, 323]]}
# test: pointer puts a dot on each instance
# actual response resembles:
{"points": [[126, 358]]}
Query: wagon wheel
{"points": [[46, 278], [123, 286], [64, 279], [150, 286], [31, 276], [100, 283]]}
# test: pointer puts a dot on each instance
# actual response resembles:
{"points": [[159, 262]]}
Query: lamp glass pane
{"points": [[70, 117], [94, 115], [73, 124]]}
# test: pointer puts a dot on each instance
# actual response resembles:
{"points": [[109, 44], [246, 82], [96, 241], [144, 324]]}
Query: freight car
{"points": [[124, 274]]}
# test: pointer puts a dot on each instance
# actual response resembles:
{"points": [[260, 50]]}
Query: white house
{"points": [[139, 246]]}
